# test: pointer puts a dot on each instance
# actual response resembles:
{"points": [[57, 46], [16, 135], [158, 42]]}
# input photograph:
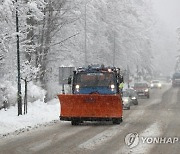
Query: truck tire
{"points": [[74, 122], [117, 121], [136, 102]]}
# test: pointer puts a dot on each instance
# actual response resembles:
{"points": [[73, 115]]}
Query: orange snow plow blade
{"points": [[90, 106]]}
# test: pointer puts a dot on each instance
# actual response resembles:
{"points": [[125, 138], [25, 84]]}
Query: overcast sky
{"points": [[168, 11]]}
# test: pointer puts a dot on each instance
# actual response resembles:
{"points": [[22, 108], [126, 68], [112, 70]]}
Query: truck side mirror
{"points": [[121, 79], [69, 80]]}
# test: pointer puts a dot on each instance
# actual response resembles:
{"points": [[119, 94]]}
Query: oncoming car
{"points": [[156, 84], [126, 100], [176, 79], [133, 96], [142, 89]]}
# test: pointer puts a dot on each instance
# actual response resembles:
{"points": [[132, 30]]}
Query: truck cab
{"points": [[95, 81]]}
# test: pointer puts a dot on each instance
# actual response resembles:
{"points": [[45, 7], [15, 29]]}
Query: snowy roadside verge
{"points": [[39, 114]]}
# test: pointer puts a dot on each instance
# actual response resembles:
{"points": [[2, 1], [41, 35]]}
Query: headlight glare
{"points": [[112, 86], [77, 86], [146, 90], [159, 85], [125, 100], [133, 98]]}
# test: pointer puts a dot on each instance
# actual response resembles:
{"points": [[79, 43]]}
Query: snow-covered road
{"points": [[154, 117]]}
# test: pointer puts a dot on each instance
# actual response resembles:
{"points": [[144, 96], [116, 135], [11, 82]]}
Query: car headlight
{"points": [[146, 90], [152, 85], [133, 98], [125, 100], [159, 85]]}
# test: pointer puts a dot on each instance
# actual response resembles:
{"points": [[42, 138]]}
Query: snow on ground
{"points": [[38, 113], [102, 137], [153, 130], [113, 131]]}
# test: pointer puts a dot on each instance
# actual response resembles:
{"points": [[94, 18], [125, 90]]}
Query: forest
{"points": [[56, 33]]}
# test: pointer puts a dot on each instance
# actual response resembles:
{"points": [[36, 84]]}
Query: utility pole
{"points": [[85, 35], [137, 73], [128, 73], [114, 52], [19, 97]]}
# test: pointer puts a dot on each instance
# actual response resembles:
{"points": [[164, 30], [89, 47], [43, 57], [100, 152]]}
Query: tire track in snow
{"points": [[102, 137], [37, 146], [108, 134]]}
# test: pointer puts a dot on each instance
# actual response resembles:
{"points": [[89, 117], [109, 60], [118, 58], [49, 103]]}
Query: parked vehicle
{"points": [[142, 89], [95, 96]]}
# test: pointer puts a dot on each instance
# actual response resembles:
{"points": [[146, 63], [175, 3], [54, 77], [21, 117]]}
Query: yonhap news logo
{"points": [[133, 139]]}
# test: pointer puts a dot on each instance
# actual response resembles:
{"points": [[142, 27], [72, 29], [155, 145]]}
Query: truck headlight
{"points": [[77, 87], [112, 87]]}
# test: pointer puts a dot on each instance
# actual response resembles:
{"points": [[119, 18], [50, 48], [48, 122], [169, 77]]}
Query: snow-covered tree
{"points": [[52, 34], [177, 66], [8, 34], [120, 29]]}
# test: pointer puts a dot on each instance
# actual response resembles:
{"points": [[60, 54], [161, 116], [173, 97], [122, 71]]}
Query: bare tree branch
{"points": [[64, 40]]}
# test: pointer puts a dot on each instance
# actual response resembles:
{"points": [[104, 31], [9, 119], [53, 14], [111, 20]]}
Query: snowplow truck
{"points": [[95, 96]]}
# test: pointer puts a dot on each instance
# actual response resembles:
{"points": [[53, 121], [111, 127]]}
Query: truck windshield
{"points": [[104, 79]]}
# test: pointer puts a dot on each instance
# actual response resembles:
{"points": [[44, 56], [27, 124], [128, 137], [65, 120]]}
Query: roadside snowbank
{"points": [[38, 113], [8, 90]]}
